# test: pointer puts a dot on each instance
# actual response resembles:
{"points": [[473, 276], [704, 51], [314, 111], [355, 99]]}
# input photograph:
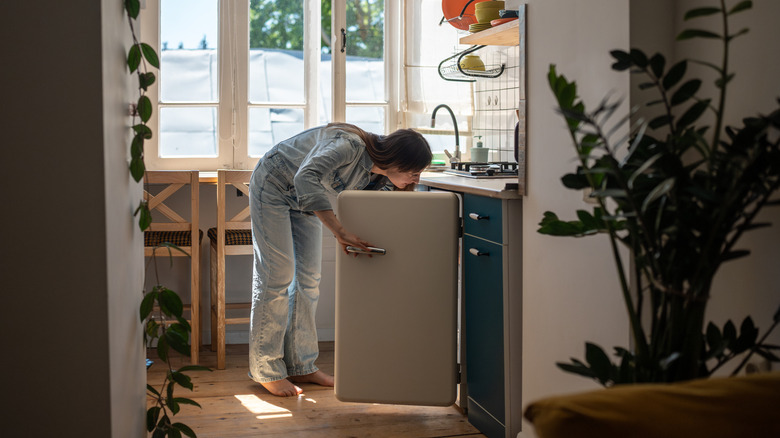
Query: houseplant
{"points": [[678, 194], [161, 308]]}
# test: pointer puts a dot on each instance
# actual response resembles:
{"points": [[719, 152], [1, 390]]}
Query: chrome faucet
{"points": [[456, 158]]}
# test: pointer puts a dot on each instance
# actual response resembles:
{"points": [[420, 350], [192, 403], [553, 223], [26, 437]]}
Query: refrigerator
{"points": [[397, 312]]}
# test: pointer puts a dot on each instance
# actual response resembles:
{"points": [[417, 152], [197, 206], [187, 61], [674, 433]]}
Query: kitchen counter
{"points": [[502, 188]]}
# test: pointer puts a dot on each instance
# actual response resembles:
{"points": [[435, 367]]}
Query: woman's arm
{"points": [[344, 237]]}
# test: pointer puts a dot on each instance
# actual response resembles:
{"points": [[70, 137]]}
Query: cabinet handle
{"points": [[475, 251], [477, 217]]}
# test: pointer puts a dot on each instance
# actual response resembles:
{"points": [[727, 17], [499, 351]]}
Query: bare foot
{"points": [[317, 377], [282, 388]]}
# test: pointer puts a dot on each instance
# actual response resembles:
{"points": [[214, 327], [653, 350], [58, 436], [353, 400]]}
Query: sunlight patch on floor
{"points": [[261, 408]]}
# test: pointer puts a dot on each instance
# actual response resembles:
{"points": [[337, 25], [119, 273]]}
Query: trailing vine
{"points": [[161, 308]]}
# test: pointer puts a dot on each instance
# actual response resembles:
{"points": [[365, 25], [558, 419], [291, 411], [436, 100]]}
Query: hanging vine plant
{"points": [[161, 308]]}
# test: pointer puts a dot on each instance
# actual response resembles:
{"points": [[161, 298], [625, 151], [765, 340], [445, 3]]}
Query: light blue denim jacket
{"points": [[315, 162]]}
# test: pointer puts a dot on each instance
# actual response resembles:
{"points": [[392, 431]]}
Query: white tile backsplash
{"points": [[496, 101]]}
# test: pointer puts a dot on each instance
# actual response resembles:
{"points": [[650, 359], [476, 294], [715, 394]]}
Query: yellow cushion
{"points": [[739, 407]]}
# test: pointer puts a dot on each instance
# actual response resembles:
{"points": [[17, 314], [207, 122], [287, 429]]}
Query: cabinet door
{"points": [[483, 294], [396, 332]]}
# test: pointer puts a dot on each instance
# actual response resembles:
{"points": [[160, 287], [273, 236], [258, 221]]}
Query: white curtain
{"points": [[426, 44]]}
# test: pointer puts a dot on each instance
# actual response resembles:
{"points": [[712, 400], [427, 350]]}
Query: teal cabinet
{"points": [[492, 322]]}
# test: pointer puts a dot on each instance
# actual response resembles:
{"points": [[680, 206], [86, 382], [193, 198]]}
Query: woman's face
{"points": [[402, 179]]}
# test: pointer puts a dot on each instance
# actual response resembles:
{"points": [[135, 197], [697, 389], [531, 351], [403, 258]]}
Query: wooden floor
{"points": [[235, 406]]}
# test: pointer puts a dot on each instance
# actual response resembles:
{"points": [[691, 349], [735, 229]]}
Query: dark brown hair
{"points": [[404, 149]]}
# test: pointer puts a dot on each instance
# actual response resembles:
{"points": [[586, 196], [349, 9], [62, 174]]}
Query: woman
{"points": [[289, 201]]}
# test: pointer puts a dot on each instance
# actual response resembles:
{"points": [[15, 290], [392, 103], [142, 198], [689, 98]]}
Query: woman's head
{"points": [[402, 154], [404, 150]]}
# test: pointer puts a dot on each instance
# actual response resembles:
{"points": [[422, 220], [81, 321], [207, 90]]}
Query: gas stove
{"points": [[469, 169]]}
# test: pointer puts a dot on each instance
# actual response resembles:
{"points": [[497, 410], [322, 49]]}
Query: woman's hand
{"points": [[344, 237]]}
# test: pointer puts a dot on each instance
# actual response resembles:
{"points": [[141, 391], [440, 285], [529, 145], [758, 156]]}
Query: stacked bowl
{"points": [[486, 11]]}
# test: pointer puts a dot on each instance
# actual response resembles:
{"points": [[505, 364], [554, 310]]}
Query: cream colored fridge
{"points": [[396, 311]]}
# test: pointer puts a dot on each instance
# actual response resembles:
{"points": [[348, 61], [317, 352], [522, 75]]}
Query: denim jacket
{"points": [[318, 161]]}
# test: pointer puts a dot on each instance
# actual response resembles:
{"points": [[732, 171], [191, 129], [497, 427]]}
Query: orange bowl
{"points": [[502, 21]]}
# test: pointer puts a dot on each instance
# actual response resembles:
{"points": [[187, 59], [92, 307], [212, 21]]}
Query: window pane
{"points": [[268, 126], [365, 51], [188, 55], [368, 118], [188, 132], [276, 51]]}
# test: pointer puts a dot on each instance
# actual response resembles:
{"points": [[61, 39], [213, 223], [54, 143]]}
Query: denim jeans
{"points": [[285, 284]]}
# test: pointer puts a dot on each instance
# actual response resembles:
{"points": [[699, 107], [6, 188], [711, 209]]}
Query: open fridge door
{"points": [[396, 313]]}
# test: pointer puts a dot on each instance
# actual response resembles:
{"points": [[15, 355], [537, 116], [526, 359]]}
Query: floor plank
{"points": [[235, 406]]}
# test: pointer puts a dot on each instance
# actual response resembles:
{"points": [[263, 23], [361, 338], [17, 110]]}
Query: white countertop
{"points": [[504, 188]]}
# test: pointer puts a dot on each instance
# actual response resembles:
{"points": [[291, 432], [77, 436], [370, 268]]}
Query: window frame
{"points": [[233, 102]]}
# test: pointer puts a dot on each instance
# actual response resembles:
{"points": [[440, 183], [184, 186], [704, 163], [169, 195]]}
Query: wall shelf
{"points": [[507, 34]]}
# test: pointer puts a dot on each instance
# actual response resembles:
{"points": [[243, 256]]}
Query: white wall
{"points": [[71, 270], [570, 289]]}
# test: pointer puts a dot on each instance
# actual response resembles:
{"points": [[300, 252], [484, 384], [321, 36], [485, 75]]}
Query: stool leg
{"points": [[213, 290], [220, 308], [195, 324]]}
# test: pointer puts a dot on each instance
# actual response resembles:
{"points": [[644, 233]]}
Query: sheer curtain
{"points": [[426, 44]]}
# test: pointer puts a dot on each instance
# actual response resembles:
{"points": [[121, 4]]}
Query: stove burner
{"points": [[500, 169]]}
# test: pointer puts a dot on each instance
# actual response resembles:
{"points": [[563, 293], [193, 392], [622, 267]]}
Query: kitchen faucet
{"points": [[456, 158]]}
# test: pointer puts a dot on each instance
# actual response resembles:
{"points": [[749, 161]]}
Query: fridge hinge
{"points": [[457, 373]]}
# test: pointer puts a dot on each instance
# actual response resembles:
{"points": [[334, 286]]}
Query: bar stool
{"points": [[178, 231], [229, 237]]}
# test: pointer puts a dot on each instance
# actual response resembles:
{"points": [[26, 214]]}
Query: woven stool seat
{"points": [[233, 237], [178, 238]]}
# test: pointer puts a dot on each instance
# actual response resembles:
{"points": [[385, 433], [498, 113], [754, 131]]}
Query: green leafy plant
{"points": [[679, 195], [161, 308]]}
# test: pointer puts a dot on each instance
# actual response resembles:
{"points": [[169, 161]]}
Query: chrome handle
{"points": [[477, 217], [371, 250], [475, 251]]}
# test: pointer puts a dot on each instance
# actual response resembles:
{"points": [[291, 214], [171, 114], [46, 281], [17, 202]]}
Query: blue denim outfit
{"points": [[288, 184]]}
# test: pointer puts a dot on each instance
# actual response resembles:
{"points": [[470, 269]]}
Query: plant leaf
{"points": [[731, 255], [700, 12], [144, 108], [183, 428], [152, 414], [674, 74], [147, 304], [622, 60], [741, 6], [686, 91], [696, 33], [657, 63], [133, 7], [661, 189], [145, 80], [692, 114], [599, 362], [182, 380], [133, 57], [145, 216], [660, 121], [170, 303], [150, 54], [186, 401]]}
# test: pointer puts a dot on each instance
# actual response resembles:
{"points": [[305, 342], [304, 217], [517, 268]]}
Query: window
{"points": [[238, 76]]}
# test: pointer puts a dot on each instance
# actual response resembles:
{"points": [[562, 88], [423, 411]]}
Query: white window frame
{"points": [[233, 104]]}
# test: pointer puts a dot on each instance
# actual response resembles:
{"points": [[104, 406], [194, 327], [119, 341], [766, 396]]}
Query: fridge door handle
{"points": [[371, 250]]}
